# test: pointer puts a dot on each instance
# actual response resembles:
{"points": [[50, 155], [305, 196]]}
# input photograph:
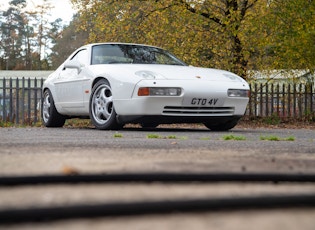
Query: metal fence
{"points": [[20, 100], [282, 100]]}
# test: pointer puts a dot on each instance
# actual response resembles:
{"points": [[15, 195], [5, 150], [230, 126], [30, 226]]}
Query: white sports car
{"points": [[117, 83]]}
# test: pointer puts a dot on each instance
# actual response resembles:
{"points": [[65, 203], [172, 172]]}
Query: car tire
{"points": [[102, 111], [50, 115], [223, 126]]}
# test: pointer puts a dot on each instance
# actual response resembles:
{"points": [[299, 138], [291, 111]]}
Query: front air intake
{"points": [[198, 111]]}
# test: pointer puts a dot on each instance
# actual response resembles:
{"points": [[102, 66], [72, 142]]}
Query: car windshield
{"points": [[132, 54]]}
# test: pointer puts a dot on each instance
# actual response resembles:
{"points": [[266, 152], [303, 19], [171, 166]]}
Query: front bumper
{"points": [[198, 99], [173, 106]]}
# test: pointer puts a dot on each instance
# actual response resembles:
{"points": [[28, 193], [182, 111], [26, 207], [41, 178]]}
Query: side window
{"points": [[81, 56]]}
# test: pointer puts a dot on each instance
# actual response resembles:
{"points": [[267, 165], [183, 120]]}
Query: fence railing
{"points": [[282, 100], [20, 100]]}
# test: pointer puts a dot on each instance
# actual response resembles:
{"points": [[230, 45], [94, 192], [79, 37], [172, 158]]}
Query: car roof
{"points": [[114, 43]]}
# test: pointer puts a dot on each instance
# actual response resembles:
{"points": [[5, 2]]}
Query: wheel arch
{"points": [[97, 79], [45, 87], [49, 113], [53, 94]]}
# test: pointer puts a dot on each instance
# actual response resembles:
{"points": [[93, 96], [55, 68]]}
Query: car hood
{"points": [[168, 72]]}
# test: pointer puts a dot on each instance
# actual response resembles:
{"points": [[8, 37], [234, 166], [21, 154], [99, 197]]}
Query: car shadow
{"points": [[181, 128]]}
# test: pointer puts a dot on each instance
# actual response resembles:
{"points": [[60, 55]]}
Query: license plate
{"points": [[197, 101]]}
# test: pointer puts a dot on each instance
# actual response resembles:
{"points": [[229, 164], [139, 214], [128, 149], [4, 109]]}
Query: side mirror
{"points": [[72, 64]]}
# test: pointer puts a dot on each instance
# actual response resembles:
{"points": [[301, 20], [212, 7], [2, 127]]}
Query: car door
{"points": [[70, 82]]}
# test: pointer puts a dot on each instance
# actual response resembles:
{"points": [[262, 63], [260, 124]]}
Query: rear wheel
{"points": [[102, 111], [50, 116], [223, 126]]}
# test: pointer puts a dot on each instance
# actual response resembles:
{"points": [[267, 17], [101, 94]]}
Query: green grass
{"points": [[274, 119], [22, 125], [118, 135], [276, 138], [234, 138], [290, 138], [269, 138], [156, 136], [153, 136], [6, 124]]}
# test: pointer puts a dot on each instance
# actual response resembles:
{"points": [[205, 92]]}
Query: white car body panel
{"points": [[202, 88]]}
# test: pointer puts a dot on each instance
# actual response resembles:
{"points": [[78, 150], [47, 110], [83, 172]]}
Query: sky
{"points": [[62, 8]]}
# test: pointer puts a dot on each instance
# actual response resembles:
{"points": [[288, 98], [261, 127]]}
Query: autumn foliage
{"points": [[236, 35]]}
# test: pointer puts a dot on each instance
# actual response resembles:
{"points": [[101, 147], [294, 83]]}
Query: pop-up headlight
{"points": [[149, 75], [233, 77]]}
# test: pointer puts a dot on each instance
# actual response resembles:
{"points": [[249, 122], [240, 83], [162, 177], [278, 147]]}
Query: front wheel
{"points": [[102, 111], [50, 115]]}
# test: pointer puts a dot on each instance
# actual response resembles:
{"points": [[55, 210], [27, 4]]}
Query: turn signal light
{"points": [[144, 91]]}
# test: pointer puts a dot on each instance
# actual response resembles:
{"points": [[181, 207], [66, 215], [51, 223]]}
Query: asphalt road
{"points": [[160, 138], [64, 151]]}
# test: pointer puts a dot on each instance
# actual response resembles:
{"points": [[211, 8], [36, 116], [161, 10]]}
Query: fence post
{"points": [[23, 99], [11, 101], [255, 101], [17, 102], [272, 100], [294, 100], [278, 99], [41, 98], [305, 101], [267, 99], [35, 100], [311, 97], [29, 100], [301, 112], [289, 100], [4, 111]]}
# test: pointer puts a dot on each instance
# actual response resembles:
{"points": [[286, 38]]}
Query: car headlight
{"points": [[148, 75], [238, 93], [159, 91]]}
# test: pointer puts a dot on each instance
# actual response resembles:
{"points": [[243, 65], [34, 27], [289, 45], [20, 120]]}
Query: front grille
{"points": [[198, 111]]}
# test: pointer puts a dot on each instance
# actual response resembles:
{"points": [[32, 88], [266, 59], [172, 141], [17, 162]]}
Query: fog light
{"points": [[238, 93]]}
